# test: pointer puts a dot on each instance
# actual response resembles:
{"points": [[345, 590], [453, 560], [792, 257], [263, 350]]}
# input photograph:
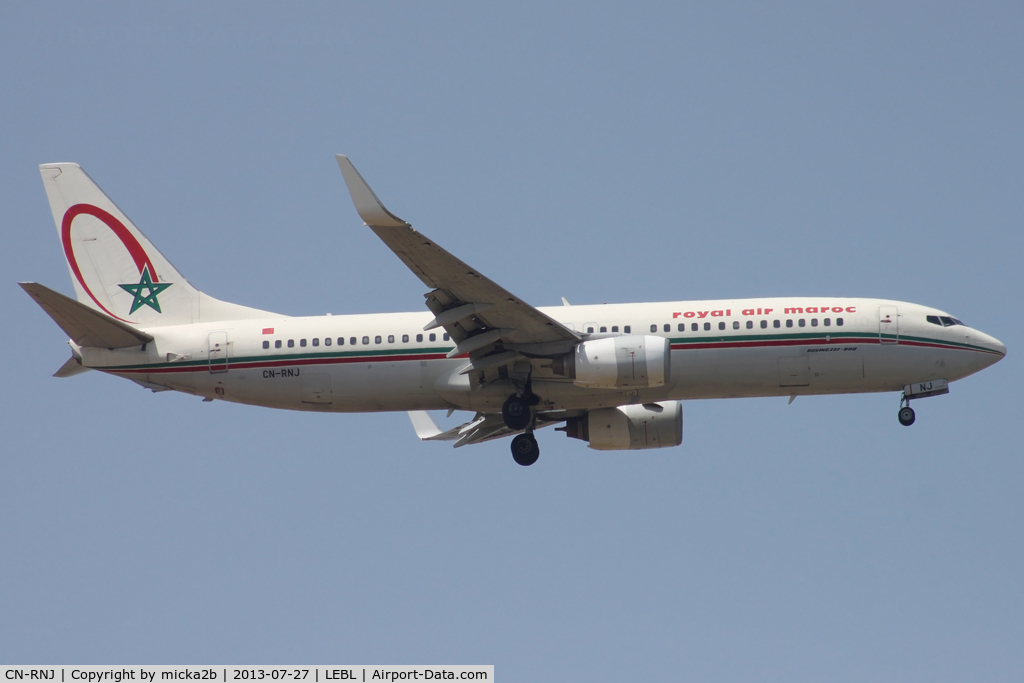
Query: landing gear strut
{"points": [[525, 450], [906, 414]]}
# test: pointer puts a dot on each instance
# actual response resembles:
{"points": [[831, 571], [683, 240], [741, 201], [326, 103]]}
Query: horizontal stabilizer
{"points": [[86, 326], [71, 368]]}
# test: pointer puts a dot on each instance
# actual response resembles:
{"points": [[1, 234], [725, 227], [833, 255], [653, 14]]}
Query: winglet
{"points": [[370, 209], [424, 425]]}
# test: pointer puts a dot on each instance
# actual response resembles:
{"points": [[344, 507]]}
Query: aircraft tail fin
{"points": [[114, 268]]}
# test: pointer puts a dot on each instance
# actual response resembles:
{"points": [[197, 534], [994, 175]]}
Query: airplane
{"points": [[612, 375]]}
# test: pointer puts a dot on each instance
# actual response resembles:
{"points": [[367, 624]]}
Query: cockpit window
{"points": [[943, 320]]}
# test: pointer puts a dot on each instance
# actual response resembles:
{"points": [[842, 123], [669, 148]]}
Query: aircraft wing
{"points": [[483, 427], [474, 310]]}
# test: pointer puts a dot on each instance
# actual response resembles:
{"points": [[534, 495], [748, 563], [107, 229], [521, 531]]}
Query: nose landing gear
{"points": [[935, 387], [906, 413]]}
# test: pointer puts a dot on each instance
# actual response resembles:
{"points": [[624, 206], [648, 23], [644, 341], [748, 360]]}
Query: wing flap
{"points": [[84, 325]]}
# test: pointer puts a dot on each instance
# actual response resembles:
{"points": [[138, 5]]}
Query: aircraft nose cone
{"points": [[998, 346], [994, 345]]}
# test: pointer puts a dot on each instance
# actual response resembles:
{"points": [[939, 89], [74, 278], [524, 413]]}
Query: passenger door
{"points": [[218, 347], [888, 325]]}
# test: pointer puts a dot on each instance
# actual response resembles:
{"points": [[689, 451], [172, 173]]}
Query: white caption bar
{"points": [[246, 674]]}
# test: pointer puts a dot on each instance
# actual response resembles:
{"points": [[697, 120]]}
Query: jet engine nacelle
{"points": [[641, 361], [652, 425]]}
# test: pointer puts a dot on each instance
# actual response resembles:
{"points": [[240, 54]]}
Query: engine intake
{"points": [[641, 361], [635, 427]]}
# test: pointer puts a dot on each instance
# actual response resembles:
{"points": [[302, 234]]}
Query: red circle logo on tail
{"points": [[135, 249]]}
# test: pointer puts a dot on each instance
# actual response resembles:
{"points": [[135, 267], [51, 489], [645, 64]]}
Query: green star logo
{"points": [[146, 283]]}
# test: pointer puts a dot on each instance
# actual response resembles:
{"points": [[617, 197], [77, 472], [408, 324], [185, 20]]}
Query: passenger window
{"points": [[682, 327], [391, 339], [626, 329], [827, 321], [327, 341], [707, 326], [291, 343], [776, 324], [735, 324], [376, 339], [750, 324], [789, 322], [721, 325], [419, 337], [654, 328], [764, 324], [366, 340], [266, 344], [405, 339], [316, 341], [302, 342], [615, 328], [694, 327], [433, 337], [803, 323], [445, 336], [277, 343], [603, 328], [667, 327], [352, 341], [814, 322], [341, 341], [839, 322], [590, 330]]}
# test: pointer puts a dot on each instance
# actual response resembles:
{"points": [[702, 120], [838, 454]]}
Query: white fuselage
{"points": [[720, 349]]}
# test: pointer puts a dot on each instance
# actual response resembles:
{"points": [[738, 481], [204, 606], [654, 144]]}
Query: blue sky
{"points": [[601, 152]]}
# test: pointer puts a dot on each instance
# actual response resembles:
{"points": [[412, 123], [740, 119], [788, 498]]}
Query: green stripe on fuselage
{"points": [[286, 357]]}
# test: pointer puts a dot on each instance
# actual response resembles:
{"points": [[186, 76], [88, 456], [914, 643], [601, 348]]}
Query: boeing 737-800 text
{"points": [[612, 375]]}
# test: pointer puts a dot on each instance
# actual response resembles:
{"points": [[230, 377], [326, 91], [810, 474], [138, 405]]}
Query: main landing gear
{"points": [[516, 412], [906, 414], [518, 415], [525, 450]]}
